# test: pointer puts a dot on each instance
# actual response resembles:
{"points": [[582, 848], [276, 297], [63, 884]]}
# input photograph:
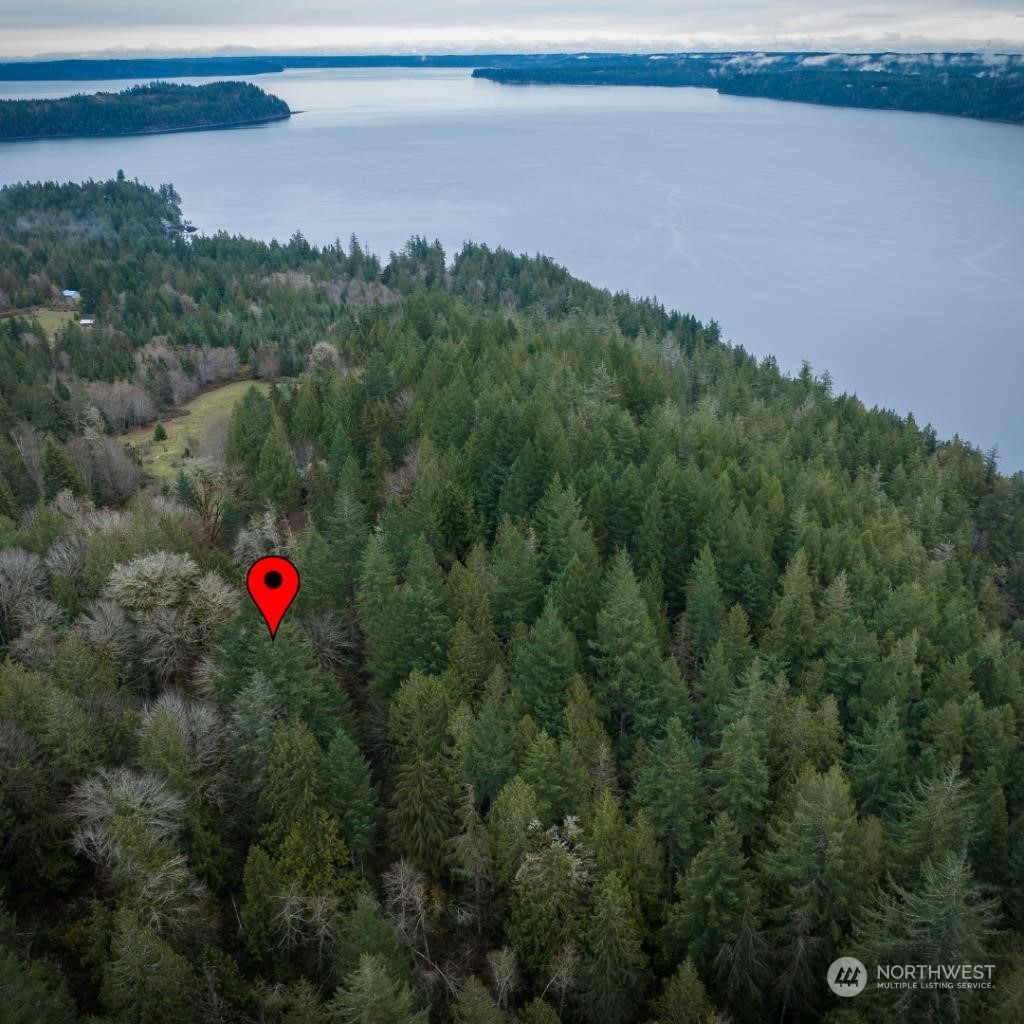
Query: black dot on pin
{"points": [[273, 579]]}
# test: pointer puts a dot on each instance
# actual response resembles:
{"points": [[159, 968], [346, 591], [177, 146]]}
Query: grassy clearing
{"points": [[52, 320], [206, 415]]}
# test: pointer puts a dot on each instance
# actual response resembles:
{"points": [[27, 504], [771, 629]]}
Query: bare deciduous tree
{"points": [[412, 909], [197, 729], [307, 919], [335, 640], [171, 639], [323, 359], [262, 536], [562, 972], [268, 365], [399, 482], [29, 443], [501, 963], [123, 405], [105, 627], [122, 794], [106, 467], [22, 575], [65, 556], [41, 622], [159, 580]]}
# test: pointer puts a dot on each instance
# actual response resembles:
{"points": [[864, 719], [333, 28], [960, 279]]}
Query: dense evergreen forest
{"points": [[965, 85], [631, 681], [142, 109]]}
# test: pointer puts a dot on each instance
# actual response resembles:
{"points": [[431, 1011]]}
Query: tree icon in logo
{"points": [[847, 976]]}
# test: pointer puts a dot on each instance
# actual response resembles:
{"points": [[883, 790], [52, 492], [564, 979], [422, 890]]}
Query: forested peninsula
{"points": [[965, 85], [141, 110], [630, 681]]}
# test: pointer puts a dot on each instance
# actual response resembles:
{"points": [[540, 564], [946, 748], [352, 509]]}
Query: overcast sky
{"points": [[87, 26]]}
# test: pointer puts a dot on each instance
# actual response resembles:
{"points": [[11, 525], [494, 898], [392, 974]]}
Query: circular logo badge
{"points": [[847, 976]]}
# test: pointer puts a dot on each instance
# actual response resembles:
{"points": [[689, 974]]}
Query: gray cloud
{"points": [[268, 25]]}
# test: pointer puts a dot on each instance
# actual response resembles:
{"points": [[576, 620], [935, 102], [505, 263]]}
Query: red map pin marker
{"points": [[273, 583]]}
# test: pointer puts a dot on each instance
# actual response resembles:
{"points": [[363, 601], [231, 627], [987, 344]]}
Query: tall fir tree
{"points": [[670, 789], [628, 669], [542, 668], [741, 779], [711, 894], [350, 794], [59, 472], [371, 994], [422, 814], [277, 481], [705, 604], [613, 975]]}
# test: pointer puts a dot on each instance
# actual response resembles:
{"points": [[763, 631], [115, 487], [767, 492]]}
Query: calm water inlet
{"points": [[887, 248]]}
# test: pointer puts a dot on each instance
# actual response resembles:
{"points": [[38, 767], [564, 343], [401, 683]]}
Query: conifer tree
{"points": [[8, 506], [560, 525], [470, 658], [295, 781], [670, 790], [683, 999], [741, 778], [314, 858], [474, 1005], [350, 794], [305, 422], [261, 890], [146, 981], [277, 478], [488, 759], [29, 995], [711, 894], [378, 595], [811, 868], [940, 920], [509, 823], [422, 814], [934, 821], [247, 430], [542, 668], [59, 472], [583, 729], [879, 763], [473, 857], [365, 931], [705, 603], [372, 995], [628, 667], [792, 631], [614, 966], [426, 622], [546, 914], [549, 771], [515, 584], [418, 717]]}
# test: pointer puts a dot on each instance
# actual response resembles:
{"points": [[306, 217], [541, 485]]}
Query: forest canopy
{"points": [[630, 680], [139, 110]]}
